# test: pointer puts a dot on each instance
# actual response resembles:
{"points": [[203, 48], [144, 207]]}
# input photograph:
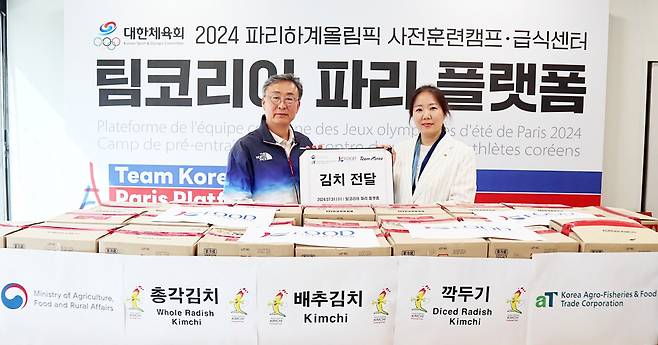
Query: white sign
{"points": [[595, 298], [472, 230], [354, 176], [167, 302], [529, 217], [234, 217], [326, 301], [462, 301], [312, 236], [59, 297]]}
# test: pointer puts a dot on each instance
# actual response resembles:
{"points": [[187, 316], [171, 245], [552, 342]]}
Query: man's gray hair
{"points": [[284, 77]]}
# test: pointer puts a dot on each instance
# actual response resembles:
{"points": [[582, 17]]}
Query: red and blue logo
{"points": [[19, 300], [107, 28]]}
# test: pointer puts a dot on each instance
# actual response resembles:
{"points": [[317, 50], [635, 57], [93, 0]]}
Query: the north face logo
{"points": [[264, 156]]}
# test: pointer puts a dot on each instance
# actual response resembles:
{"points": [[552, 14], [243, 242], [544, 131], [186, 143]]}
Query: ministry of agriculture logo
{"points": [[103, 38], [19, 299], [135, 310], [238, 314]]}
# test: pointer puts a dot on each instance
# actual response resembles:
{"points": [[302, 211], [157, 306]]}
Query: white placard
{"points": [[223, 216], [312, 236], [190, 300], [326, 301], [472, 230], [348, 176], [594, 298], [461, 301], [60, 297], [529, 217]]}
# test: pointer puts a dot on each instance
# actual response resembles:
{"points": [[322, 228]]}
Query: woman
{"points": [[433, 167]]}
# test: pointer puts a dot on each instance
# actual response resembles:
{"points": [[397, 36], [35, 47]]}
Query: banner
{"points": [[197, 300], [594, 299], [346, 302], [156, 95], [50, 297], [462, 301]]}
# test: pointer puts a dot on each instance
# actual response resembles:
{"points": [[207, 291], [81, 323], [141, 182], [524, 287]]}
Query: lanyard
{"points": [[414, 167]]}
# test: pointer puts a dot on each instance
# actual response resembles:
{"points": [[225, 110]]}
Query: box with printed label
{"points": [[224, 242], [72, 237], [282, 210], [403, 244], [93, 217], [333, 223], [382, 249], [553, 242], [608, 235], [340, 212], [152, 240]]}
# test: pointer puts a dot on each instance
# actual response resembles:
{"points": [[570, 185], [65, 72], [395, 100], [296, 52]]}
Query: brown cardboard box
{"points": [[152, 240], [73, 237], [409, 210], [283, 221], [147, 217], [474, 207], [404, 244], [366, 224], [649, 222], [282, 210], [535, 206], [608, 235], [122, 208], [8, 228], [340, 212], [93, 217], [554, 242], [383, 249], [224, 242], [430, 218]]}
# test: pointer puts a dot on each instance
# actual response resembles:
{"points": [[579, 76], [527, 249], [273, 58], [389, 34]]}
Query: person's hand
{"points": [[390, 148]]}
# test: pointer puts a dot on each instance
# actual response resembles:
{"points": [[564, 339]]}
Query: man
{"points": [[263, 165]]}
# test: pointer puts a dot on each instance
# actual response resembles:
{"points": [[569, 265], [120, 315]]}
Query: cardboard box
{"points": [[72, 237], [147, 218], [152, 240], [340, 212], [282, 210], [329, 223], [93, 217], [648, 221], [470, 208], [382, 249], [122, 208], [8, 228], [409, 210], [224, 242], [283, 221], [608, 235], [401, 219], [403, 244], [535, 206], [554, 242]]}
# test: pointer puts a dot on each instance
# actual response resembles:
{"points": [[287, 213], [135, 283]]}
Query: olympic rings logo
{"points": [[109, 42]]}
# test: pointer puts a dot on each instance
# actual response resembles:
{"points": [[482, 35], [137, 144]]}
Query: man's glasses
{"points": [[288, 100]]}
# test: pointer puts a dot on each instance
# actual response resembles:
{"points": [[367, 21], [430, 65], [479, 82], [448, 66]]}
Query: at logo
{"points": [[546, 300], [16, 302]]}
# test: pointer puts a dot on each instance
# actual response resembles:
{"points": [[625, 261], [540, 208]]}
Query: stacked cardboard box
{"points": [[224, 242], [340, 212], [383, 248], [152, 240], [554, 241], [76, 237], [608, 234]]}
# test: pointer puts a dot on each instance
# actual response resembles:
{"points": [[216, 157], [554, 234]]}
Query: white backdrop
{"points": [[531, 77]]}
